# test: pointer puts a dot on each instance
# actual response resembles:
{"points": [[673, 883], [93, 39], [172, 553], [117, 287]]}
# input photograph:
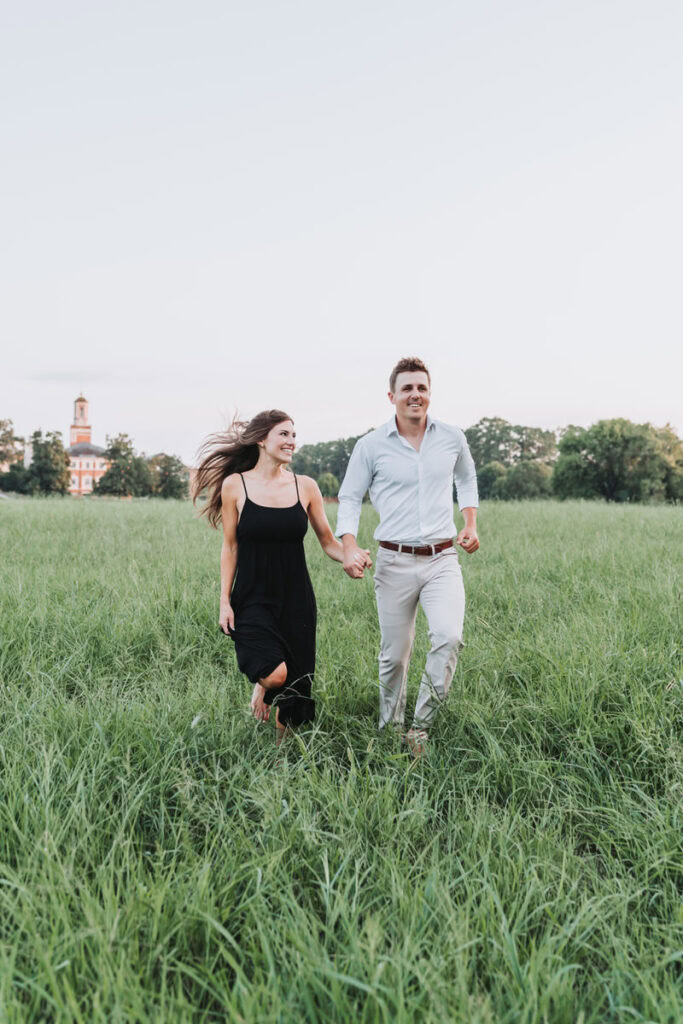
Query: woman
{"points": [[267, 602]]}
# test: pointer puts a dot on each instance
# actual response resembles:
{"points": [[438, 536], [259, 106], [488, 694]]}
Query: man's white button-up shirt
{"points": [[411, 490]]}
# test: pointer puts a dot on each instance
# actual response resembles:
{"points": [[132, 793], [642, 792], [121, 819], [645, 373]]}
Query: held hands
{"points": [[356, 561], [468, 540], [226, 617]]}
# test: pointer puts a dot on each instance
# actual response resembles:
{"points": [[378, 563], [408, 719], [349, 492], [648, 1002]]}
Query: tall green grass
{"points": [[161, 861]]}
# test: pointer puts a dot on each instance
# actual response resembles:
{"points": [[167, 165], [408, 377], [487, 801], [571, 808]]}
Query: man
{"points": [[408, 465]]}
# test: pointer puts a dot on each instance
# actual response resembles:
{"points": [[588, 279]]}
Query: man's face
{"points": [[411, 395]]}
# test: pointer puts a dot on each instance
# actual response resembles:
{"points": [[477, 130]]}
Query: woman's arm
{"points": [[229, 516], [316, 514]]}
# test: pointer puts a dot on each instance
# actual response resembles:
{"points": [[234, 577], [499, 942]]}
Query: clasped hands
{"points": [[356, 561]]}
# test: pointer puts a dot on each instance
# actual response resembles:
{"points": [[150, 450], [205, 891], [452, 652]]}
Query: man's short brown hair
{"points": [[409, 365]]}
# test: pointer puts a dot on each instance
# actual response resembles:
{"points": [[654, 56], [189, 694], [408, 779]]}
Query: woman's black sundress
{"points": [[274, 604]]}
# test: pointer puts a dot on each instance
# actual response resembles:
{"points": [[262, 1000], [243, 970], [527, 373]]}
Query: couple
{"points": [[267, 601]]}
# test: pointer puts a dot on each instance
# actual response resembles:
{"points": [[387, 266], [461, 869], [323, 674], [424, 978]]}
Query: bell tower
{"points": [[80, 428]]}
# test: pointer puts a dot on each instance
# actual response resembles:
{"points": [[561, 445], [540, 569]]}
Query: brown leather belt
{"points": [[408, 549]]}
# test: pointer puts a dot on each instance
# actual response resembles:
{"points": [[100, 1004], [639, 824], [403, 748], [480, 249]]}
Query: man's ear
{"points": [[391, 398]]}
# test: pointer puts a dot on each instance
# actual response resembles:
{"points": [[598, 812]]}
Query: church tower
{"points": [[80, 428], [86, 460]]}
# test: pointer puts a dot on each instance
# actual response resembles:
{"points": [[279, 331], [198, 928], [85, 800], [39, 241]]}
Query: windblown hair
{"points": [[409, 365], [234, 451]]}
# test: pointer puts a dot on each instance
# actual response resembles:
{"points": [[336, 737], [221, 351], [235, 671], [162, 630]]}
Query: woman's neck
{"points": [[268, 469]]}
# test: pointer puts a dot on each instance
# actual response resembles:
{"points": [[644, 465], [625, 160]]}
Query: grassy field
{"points": [[159, 861]]}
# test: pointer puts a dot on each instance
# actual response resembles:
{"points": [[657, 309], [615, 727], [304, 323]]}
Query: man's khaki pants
{"points": [[401, 582]]}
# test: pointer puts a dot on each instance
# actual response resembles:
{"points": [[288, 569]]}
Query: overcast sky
{"points": [[214, 205]]}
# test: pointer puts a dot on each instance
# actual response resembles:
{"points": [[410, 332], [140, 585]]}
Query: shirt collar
{"points": [[393, 429]]}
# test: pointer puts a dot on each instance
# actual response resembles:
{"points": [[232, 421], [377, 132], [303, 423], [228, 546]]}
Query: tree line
{"points": [[134, 475], [326, 462], [616, 460], [130, 474]]}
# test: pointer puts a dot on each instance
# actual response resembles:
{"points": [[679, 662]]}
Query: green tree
{"points": [[491, 440], [11, 446], [169, 475], [528, 479], [143, 478], [489, 479], [49, 469], [533, 443], [17, 478], [671, 448], [329, 485], [128, 473], [616, 460], [325, 457], [574, 477]]}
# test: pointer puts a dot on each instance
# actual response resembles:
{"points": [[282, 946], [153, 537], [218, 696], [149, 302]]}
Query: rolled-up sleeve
{"points": [[465, 476], [357, 479]]}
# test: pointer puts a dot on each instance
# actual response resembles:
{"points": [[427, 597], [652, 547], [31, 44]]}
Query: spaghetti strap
{"points": [[298, 496], [244, 485]]}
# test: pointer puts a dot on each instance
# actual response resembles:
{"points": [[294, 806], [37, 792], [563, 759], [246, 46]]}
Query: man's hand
{"points": [[467, 539], [356, 560]]}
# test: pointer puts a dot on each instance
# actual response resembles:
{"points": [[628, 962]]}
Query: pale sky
{"points": [[214, 205]]}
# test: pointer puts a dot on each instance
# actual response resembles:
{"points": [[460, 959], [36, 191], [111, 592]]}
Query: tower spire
{"points": [[80, 428]]}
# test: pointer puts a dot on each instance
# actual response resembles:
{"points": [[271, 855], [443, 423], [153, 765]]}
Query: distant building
{"points": [[86, 462]]}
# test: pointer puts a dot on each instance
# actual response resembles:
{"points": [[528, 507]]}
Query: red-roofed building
{"points": [[86, 462]]}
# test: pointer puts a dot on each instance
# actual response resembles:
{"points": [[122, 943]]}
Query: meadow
{"points": [[161, 861]]}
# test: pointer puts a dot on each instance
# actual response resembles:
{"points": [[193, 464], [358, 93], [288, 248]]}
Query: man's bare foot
{"points": [[416, 740], [259, 709]]}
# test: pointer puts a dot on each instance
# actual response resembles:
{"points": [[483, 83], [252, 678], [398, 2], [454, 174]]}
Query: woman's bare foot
{"points": [[281, 731], [259, 709]]}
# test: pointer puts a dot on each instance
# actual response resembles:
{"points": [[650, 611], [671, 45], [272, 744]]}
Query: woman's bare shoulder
{"points": [[306, 483], [308, 489], [231, 486]]}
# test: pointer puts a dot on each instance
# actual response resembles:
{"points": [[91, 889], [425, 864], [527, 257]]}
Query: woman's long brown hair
{"points": [[234, 451]]}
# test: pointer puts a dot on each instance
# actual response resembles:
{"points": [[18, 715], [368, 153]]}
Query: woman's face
{"points": [[280, 442]]}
